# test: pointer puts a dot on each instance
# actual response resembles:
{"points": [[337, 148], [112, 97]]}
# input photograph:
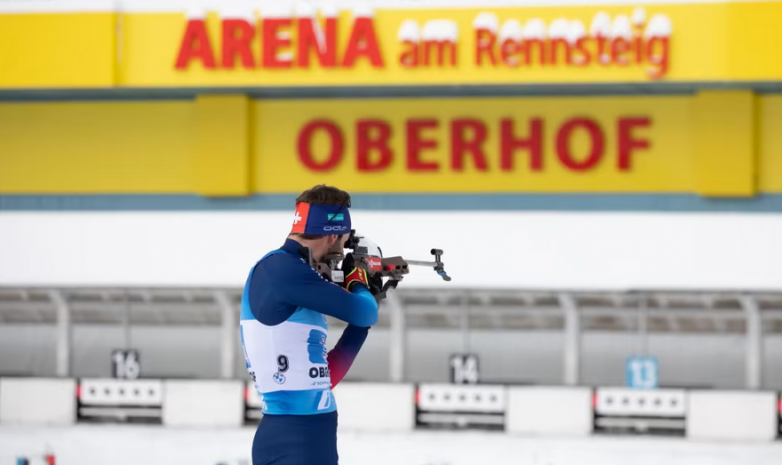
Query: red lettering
{"points": [[272, 42], [195, 45], [619, 48], [409, 56], [563, 144], [528, 47], [460, 145], [441, 46], [568, 50], [660, 60], [308, 40], [533, 143], [585, 57], [638, 46], [233, 44], [484, 45], [366, 143], [305, 144], [602, 56], [509, 51], [626, 143], [415, 144], [363, 42]]}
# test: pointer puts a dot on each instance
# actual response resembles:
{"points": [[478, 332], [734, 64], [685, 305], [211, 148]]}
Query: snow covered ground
{"points": [[137, 445]]}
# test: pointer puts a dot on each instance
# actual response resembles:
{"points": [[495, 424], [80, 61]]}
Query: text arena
{"points": [[293, 41]]}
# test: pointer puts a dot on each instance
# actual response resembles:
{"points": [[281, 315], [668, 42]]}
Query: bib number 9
{"points": [[282, 364]]}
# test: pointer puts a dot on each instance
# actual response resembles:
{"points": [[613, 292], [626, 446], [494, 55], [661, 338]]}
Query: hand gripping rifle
{"points": [[366, 254]]}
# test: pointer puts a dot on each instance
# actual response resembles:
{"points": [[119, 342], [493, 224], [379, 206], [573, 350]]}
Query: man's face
{"points": [[338, 245]]}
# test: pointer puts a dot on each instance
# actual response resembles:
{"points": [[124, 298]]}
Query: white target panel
{"points": [[462, 398], [646, 403], [119, 392]]}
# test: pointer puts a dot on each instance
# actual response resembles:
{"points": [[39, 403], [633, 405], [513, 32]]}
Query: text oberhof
{"points": [[467, 141], [623, 40]]}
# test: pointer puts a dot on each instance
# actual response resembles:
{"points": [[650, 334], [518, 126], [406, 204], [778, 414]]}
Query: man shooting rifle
{"points": [[284, 331]]}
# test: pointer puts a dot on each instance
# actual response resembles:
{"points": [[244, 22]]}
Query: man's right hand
{"points": [[375, 284]]}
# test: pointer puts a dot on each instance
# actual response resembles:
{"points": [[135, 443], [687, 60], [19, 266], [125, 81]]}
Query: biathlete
{"points": [[283, 331]]}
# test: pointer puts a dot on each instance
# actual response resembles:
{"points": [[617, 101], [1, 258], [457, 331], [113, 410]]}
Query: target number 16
{"points": [[125, 364]]}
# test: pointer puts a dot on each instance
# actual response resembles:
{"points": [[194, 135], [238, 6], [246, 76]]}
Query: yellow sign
{"points": [[725, 41], [287, 43], [671, 42], [57, 50], [637, 144], [714, 143]]}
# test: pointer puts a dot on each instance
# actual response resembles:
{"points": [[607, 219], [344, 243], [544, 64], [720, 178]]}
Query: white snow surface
{"points": [[622, 28], [511, 29], [304, 10], [486, 21], [23, 6], [441, 30], [576, 31], [601, 25], [278, 11], [363, 10], [659, 26], [535, 29], [237, 12], [155, 445], [639, 16], [408, 31], [559, 28]]}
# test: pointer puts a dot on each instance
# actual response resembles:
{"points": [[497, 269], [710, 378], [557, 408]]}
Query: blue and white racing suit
{"points": [[284, 332]]}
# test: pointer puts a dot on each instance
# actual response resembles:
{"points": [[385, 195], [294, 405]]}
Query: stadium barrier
{"points": [[461, 405], [522, 410], [376, 406], [37, 401], [123, 400], [641, 411], [253, 404], [739, 415], [556, 411], [203, 403]]}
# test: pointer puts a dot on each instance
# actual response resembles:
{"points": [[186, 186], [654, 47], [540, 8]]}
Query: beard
{"points": [[335, 249]]}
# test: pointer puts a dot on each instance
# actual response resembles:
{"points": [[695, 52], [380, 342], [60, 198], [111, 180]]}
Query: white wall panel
{"points": [[732, 416], [482, 249], [376, 406], [549, 411], [37, 401]]}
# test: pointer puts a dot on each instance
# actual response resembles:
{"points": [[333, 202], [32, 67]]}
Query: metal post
{"points": [[572, 354], [126, 322], [754, 355], [63, 355], [464, 324], [229, 330], [398, 341], [642, 321]]}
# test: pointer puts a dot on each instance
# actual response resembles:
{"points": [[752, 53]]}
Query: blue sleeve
{"points": [[342, 356], [282, 281]]}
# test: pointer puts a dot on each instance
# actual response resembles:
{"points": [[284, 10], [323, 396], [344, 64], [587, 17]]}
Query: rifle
{"points": [[366, 254]]}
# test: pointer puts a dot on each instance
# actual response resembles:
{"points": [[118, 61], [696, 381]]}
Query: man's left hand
{"points": [[356, 277]]}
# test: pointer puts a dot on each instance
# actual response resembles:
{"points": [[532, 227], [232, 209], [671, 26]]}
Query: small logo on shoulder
{"points": [[279, 378]]}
